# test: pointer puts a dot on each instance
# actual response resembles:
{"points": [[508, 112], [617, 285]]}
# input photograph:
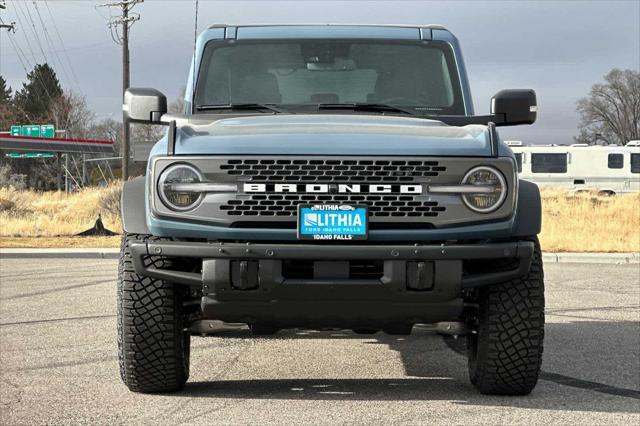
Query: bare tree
{"points": [[146, 133], [69, 111], [611, 112], [108, 129], [177, 105]]}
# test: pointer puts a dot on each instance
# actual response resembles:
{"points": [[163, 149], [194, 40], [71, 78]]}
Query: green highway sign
{"points": [[47, 131], [34, 130], [29, 155], [31, 130]]}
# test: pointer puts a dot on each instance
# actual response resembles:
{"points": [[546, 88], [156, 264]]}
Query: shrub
{"points": [[109, 200]]}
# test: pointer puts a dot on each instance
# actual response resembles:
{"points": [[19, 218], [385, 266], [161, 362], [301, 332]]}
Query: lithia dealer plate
{"points": [[345, 222]]}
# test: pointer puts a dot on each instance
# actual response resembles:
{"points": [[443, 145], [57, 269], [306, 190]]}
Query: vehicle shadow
{"points": [[581, 371]]}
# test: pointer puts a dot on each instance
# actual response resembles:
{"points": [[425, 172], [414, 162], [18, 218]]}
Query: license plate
{"points": [[332, 222]]}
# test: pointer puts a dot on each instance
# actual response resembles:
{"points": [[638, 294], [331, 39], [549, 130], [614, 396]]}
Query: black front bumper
{"points": [[248, 282]]}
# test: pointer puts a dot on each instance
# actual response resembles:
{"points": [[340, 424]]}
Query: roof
{"points": [[354, 31], [430, 26]]}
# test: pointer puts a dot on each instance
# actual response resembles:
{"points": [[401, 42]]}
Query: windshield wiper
{"points": [[369, 107], [240, 106]]}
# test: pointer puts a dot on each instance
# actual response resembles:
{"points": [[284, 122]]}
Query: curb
{"points": [[60, 253], [114, 253], [610, 258]]}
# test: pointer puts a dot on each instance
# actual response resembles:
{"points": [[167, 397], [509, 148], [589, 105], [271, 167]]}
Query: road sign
{"points": [[31, 130], [35, 130], [29, 155], [47, 131]]}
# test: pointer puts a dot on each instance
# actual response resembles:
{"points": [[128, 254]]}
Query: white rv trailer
{"points": [[609, 169]]}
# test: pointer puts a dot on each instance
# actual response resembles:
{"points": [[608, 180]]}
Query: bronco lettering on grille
{"points": [[329, 188]]}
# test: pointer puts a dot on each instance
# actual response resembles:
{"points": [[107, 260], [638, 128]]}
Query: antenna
{"points": [[195, 40]]}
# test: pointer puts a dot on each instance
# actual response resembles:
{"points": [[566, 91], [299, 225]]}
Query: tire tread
{"points": [[153, 350], [506, 354]]}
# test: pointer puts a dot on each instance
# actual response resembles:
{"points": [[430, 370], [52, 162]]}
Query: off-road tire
{"points": [[153, 349], [505, 350]]}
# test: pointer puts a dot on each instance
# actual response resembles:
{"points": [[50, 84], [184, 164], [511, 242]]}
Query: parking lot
{"points": [[58, 361]]}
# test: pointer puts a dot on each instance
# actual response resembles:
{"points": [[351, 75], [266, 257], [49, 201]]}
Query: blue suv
{"points": [[331, 176]]}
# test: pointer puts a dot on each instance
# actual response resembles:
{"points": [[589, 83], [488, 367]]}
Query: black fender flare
{"points": [[132, 207], [528, 220]]}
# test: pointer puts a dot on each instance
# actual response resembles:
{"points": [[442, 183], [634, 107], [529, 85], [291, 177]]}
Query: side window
{"points": [[616, 161], [635, 163], [519, 161], [549, 163]]}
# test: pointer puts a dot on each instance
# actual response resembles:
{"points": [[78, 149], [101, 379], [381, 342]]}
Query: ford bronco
{"points": [[331, 176]]}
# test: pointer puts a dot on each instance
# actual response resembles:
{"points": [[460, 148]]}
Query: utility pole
{"points": [[10, 27], [125, 21], [126, 129]]}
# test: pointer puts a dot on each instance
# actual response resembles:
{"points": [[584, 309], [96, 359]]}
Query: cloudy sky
{"points": [[558, 48]]}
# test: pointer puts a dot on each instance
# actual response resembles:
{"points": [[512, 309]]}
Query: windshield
{"points": [[416, 75]]}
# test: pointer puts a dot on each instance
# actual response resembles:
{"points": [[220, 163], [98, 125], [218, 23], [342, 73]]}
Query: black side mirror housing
{"points": [[517, 106], [144, 105]]}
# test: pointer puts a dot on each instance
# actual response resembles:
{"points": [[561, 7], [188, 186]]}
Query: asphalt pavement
{"points": [[58, 361]]}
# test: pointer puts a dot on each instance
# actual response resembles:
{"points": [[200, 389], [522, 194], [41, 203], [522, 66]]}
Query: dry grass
{"points": [[583, 222], [56, 214], [586, 222]]}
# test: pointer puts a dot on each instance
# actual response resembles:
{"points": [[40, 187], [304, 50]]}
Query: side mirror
{"points": [[144, 105], [517, 106]]}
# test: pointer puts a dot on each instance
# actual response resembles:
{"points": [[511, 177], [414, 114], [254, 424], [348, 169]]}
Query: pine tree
{"points": [[31, 105], [5, 92], [40, 90], [8, 113]]}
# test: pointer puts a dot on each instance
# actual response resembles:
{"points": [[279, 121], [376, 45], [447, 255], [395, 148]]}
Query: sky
{"points": [[558, 48]]}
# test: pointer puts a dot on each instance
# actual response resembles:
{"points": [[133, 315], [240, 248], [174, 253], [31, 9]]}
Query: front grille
{"points": [[286, 205], [264, 205], [332, 170]]}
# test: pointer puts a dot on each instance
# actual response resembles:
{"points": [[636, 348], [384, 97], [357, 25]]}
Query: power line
{"points": [[22, 56], [26, 38], [24, 62], [27, 17], [35, 31], [126, 20], [50, 47], [10, 27], [64, 49], [50, 44]]}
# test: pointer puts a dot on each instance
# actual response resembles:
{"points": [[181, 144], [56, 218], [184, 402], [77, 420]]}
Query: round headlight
{"points": [[492, 189], [174, 190]]}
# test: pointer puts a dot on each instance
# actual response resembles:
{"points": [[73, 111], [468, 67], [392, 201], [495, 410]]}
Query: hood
{"points": [[326, 134]]}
